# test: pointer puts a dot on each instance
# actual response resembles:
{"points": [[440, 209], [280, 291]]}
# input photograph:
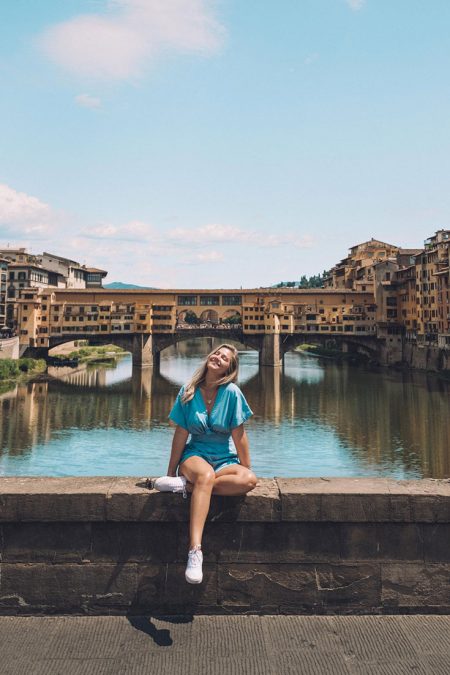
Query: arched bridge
{"points": [[146, 348]]}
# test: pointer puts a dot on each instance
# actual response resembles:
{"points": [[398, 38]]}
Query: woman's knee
{"points": [[252, 481], [205, 479], [249, 481]]}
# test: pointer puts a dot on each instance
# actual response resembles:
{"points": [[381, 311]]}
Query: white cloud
{"points": [[87, 101], [355, 5], [209, 256], [134, 231], [229, 234], [129, 36], [22, 214], [209, 233]]}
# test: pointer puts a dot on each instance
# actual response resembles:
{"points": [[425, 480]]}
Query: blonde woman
{"points": [[216, 459]]}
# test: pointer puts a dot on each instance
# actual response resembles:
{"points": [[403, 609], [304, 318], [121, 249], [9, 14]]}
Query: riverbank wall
{"points": [[426, 357], [292, 546]]}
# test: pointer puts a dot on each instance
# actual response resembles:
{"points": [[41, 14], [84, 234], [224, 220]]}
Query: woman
{"points": [[216, 459]]}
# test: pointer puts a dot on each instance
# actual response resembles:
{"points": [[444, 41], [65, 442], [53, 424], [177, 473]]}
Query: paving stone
{"points": [[234, 645], [362, 637], [428, 634]]}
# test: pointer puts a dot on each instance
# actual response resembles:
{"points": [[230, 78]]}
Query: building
{"points": [[356, 271], [3, 284], [26, 270]]}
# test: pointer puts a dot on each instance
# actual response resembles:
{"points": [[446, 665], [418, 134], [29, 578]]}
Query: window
{"points": [[209, 300], [187, 300], [232, 300]]}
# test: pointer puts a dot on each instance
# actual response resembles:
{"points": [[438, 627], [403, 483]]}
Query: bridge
{"points": [[272, 321]]}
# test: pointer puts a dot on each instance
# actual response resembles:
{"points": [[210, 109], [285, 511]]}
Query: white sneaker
{"points": [[171, 484], [194, 573]]}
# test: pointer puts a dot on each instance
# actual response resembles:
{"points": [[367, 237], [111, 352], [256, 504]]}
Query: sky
{"points": [[222, 143]]}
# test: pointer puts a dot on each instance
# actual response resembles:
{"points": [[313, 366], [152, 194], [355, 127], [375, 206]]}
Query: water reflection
{"points": [[313, 418]]}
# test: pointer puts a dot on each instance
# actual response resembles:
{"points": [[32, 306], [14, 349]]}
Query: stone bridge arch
{"points": [[365, 345], [161, 342]]}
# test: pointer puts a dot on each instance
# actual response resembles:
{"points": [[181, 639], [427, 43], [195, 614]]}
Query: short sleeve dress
{"points": [[210, 434]]}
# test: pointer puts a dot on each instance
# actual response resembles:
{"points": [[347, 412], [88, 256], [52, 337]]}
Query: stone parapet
{"points": [[315, 545]]}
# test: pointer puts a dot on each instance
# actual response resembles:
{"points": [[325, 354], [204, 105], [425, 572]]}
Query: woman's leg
{"points": [[234, 480], [202, 476]]}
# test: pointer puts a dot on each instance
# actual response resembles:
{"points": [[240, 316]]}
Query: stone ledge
{"points": [[358, 500]]}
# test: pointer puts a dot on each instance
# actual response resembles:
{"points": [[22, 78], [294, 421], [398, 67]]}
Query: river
{"points": [[314, 417]]}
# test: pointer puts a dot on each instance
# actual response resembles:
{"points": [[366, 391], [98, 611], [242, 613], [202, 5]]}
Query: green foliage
{"points": [[316, 281], [191, 317], [233, 320], [10, 369]]}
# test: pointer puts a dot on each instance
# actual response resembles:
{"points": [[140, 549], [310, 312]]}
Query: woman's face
{"points": [[219, 362]]}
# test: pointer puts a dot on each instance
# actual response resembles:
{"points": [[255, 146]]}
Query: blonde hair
{"points": [[200, 374]]}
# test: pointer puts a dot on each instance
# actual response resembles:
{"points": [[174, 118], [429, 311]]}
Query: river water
{"points": [[313, 418]]}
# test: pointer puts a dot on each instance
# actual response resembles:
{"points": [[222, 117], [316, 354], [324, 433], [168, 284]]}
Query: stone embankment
{"points": [[292, 546]]}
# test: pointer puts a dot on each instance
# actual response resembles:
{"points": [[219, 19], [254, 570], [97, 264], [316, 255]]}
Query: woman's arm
{"points": [[179, 441], [240, 440]]}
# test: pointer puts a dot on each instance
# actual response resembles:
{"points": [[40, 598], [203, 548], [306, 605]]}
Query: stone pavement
{"points": [[222, 645]]}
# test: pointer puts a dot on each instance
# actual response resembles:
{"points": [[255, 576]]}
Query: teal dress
{"points": [[210, 434]]}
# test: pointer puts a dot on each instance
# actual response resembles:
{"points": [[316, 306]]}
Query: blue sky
{"points": [[181, 143]]}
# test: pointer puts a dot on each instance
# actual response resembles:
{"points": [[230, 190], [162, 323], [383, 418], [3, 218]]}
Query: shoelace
{"points": [[183, 490], [193, 558]]}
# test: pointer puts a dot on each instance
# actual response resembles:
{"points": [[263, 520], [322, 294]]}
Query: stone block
{"points": [[298, 587], [416, 585], [163, 589], [426, 500], [436, 542], [129, 500], [381, 541], [53, 499], [272, 542], [46, 588], [128, 542], [364, 500], [50, 542], [334, 499]]}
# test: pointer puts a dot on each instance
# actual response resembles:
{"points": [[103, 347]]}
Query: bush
{"points": [[31, 365], [8, 369]]}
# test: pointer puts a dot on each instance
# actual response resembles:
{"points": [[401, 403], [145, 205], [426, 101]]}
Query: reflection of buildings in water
{"points": [[40, 410], [387, 420], [24, 418], [384, 419]]}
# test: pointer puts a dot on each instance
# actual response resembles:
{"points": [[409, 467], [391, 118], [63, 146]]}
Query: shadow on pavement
{"points": [[161, 636]]}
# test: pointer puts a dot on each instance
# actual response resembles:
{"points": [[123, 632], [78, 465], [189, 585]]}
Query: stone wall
{"points": [[9, 348], [108, 545]]}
